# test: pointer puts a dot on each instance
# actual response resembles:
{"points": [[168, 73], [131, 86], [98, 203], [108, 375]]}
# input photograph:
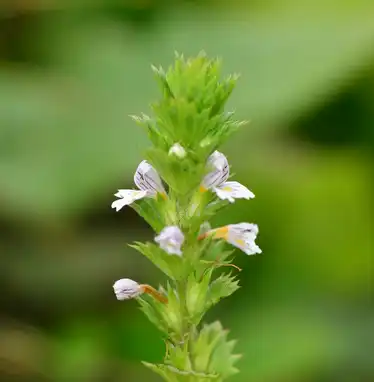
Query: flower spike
{"points": [[216, 180], [170, 240], [149, 183], [187, 125]]}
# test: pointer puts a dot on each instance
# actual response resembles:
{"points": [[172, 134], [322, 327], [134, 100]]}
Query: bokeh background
{"points": [[71, 71]]}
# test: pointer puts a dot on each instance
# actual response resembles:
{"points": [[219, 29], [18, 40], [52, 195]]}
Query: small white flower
{"points": [[177, 150], [170, 240], [126, 289], [216, 180], [242, 236], [149, 183]]}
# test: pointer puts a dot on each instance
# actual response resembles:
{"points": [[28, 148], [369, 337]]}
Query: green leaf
{"points": [[182, 175], [197, 291], [214, 207], [162, 80], [223, 359], [215, 250], [171, 265], [172, 314], [204, 344], [167, 317], [224, 286], [191, 110], [198, 80], [211, 351], [155, 136], [172, 374], [178, 356], [152, 311], [150, 210]]}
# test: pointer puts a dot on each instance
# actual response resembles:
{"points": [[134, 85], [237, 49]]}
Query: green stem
{"points": [[182, 290]]}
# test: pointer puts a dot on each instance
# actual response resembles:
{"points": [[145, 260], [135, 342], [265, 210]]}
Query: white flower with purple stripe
{"points": [[149, 183], [216, 180]]}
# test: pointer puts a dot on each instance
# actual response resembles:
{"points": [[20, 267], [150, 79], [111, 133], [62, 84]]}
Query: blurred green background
{"points": [[71, 71]]}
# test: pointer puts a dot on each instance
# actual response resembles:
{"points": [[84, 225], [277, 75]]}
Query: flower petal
{"points": [[220, 171], [233, 190], [127, 197], [170, 240], [147, 179], [252, 248], [247, 229], [243, 236]]}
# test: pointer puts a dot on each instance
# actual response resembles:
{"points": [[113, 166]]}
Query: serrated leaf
{"points": [[153, 314], [172, 374], [182, 175], [212, 255], [204, 344], [211, 351], [223, 360], [179, 356], [165, 316], [191, 111], [224, 286], [149, 209], [198, 79], [196, 294], [214, 207], [155, 136], [161, 79], [169, 264], [216, 250], [172, 314]]}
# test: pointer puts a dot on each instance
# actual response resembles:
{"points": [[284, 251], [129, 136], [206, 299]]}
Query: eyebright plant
{"points": [[180, 186]]}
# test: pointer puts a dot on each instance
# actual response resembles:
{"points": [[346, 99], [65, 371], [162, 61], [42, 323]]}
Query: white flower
{"points": [[242, 236], [125, 289], [216, 180], [171, 239], [177, 150], [149, 183]]}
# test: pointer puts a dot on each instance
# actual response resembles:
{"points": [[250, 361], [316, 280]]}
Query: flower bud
{"points": [[170, 240], [126, 289], [177, 150]]}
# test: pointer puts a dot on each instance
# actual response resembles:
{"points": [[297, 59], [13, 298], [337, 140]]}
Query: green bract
{"points": [[187, 126]]}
